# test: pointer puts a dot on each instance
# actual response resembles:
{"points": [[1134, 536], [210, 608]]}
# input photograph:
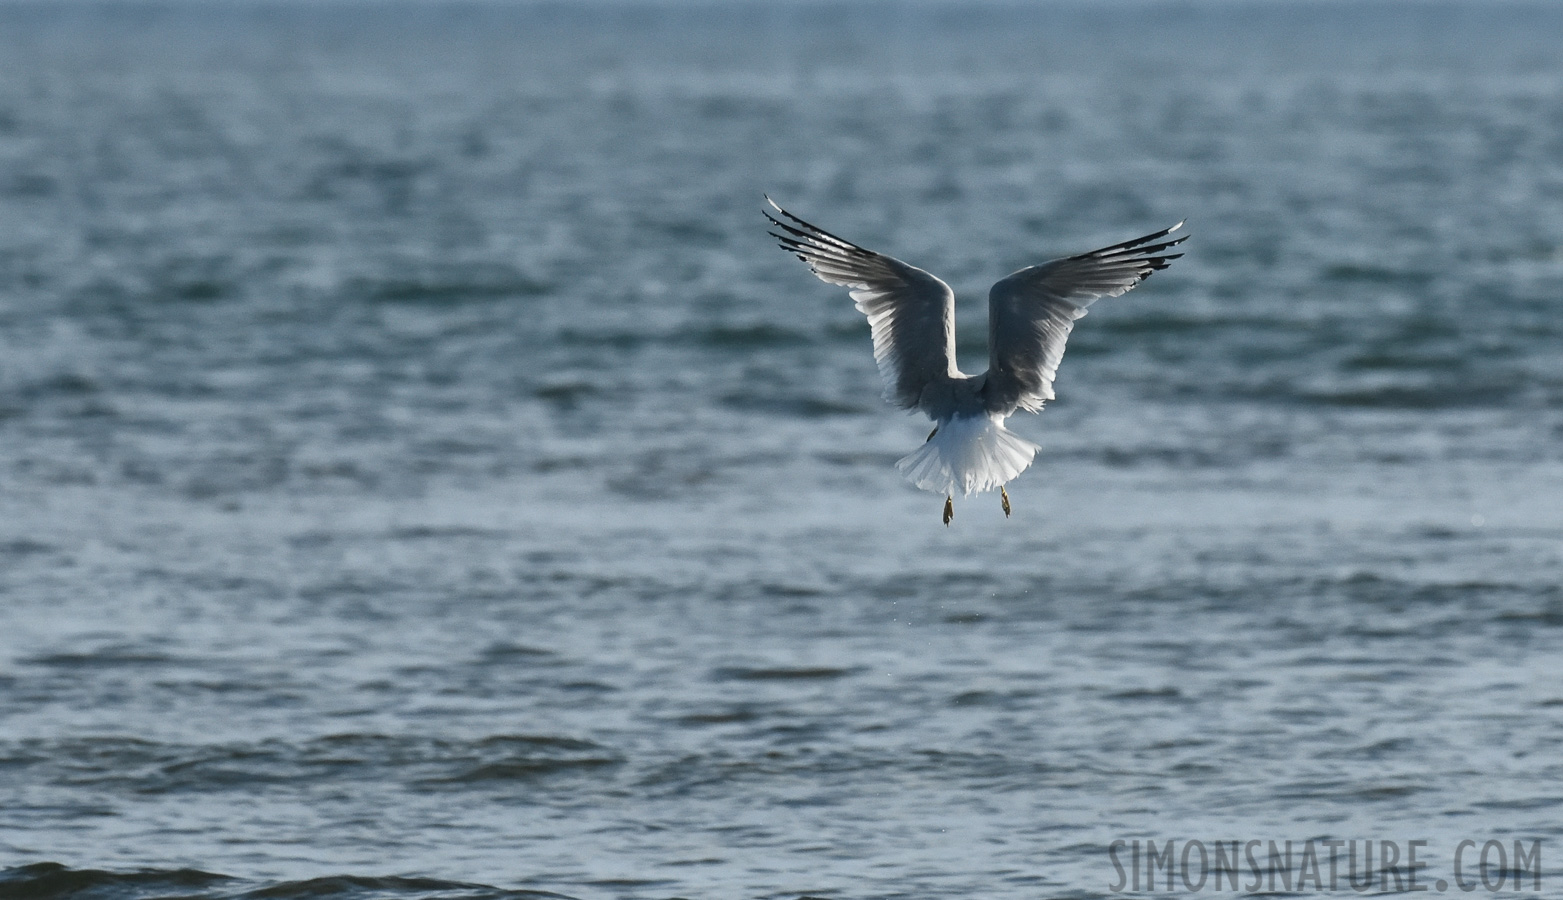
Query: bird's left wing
{"points": [[911, 314], [1031, 313]]}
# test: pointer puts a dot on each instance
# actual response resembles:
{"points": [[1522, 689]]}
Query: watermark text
{"points": [[1323, 865]]}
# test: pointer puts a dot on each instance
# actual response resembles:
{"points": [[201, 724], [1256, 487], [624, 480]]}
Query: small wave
{"points": [[144, 768], [566, 393], [750, 336], [433, 532], [49, 880], [728, 717], [721, 337], [719, 772], [803, 407], [1411, 397], [28, 185], [1185, 457], [780, 673], [1394, 359], [528, 769], [526, 757], [507, 652], [364, 888], [1169, 694], [53, 881], [64, 384], [1353, 272], [106, 657], [1550, 615], [24, 547], [448, 285]]}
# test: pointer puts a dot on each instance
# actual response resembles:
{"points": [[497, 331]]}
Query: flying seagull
{"points": [[912, 317]]}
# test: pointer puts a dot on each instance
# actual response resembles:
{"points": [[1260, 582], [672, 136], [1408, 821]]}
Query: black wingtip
{"points": [[1137, 245], [813, 233]]}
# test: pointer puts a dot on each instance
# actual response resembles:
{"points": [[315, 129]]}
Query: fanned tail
{"points": [[968, 454]]}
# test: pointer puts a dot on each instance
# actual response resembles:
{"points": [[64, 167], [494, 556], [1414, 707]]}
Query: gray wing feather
{"points": [[911, 314], [1031, 313]]}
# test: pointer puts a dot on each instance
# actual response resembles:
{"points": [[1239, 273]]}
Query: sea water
{"points": [[420, 474]]}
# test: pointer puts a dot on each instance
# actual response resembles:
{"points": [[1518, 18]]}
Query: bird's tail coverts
{"points": [[968, 454]]}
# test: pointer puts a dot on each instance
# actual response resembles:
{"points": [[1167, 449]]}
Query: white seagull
{"points": [[912, 317]]}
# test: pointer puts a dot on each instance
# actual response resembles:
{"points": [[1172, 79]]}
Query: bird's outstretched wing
{"points": [[1031, 313], [911, 314]]}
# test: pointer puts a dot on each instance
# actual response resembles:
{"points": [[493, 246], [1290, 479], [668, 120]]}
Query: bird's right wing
{"points": [[911, 314], [1031, 313]]}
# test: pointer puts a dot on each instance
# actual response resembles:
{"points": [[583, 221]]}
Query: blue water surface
{"points": [[421, 476]]}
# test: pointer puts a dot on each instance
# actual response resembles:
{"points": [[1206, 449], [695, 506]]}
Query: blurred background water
{"points": [[419, 471]]}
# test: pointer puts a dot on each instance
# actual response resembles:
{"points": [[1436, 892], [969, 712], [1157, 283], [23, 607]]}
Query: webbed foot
{"points": [[1004, 499], [949, 509]]}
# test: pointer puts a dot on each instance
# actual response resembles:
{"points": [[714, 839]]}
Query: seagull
{"points": [[911, 315]]}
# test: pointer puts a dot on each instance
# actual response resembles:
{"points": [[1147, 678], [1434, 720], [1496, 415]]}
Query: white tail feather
{"points": [[968, 454]]}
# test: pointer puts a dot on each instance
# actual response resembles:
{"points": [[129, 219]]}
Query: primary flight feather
{"points": [[911, 315]]}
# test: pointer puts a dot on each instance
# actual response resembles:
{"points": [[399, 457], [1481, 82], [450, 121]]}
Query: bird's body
{"points": [[911, 315]]}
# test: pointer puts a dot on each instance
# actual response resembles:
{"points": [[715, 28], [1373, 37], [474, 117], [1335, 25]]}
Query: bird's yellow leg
{"points": [[949, 509], [1004, 498]]}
